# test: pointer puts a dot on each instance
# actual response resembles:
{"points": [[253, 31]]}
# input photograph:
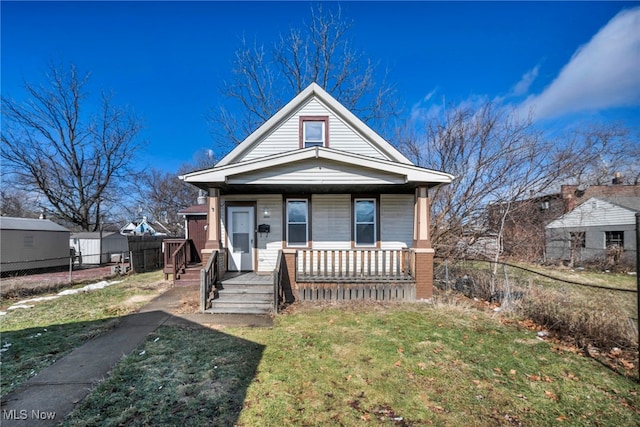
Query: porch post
{"points": [[422, 245], [213, 224], [421, 238], [290, 261]]}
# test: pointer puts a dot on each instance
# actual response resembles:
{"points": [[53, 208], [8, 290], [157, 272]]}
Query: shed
{"points": [[98, 247], [30, 244]]}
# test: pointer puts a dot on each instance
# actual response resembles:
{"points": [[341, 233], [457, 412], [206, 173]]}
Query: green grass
{"points": [[370, 365], [37, 337]]}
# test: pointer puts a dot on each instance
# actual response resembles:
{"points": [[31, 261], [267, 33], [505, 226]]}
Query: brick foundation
{"points": [[424, 273]]}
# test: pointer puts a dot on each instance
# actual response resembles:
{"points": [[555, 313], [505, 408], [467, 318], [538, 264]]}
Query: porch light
{"points": [[266, 213]]}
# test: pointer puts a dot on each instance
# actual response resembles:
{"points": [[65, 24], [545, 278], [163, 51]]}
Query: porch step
{"points": [[190, 277], [244, 294]]}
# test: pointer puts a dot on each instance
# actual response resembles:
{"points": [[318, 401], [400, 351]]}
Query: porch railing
{"points": [[355, 265], [277, 283], [209, 276], [175, 257]]}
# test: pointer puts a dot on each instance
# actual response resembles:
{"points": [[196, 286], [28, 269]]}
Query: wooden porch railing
{"points": [[209, 276], [175, 257], [277, 283], [355, 265]]}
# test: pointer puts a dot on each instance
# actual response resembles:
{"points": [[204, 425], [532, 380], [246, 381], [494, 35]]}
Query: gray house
{"points": [[31, 244], [596, 229]]}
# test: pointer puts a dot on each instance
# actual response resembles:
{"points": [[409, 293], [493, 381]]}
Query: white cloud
{"points": [[523, 85], [601, 74]]}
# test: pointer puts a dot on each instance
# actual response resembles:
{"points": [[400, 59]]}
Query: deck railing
{"points": [[175, 257], [209, 276], [355, 265]]}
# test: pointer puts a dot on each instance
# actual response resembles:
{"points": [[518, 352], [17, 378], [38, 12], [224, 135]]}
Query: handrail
{"points": [[209, 276], [179, 257], [355, 264], [277, 279]]}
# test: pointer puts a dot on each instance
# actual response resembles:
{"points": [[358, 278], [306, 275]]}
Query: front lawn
{"points": [[400, 365], [32, 339]]}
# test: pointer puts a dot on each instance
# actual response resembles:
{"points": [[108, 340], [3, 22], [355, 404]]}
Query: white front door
{"points": [[241, 236]]}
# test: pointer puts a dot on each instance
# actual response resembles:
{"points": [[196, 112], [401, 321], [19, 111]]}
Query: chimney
{"points": [[202, 197], [43, 214], [617, 178]]}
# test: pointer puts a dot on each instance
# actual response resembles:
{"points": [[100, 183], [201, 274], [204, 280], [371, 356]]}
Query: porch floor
{"points": [[246, 278]]}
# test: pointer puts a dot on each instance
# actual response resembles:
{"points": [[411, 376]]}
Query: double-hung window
{"points": [[365, 221], [313, 131], [297, 222]]}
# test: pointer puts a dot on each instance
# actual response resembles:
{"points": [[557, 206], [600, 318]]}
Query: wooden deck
{"points": [[247, 278]]}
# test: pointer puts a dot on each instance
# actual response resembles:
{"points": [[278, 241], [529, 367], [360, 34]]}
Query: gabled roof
{"points": [[194, 210], [13, 223], [313, 91], [405, 172], [598, 211]]}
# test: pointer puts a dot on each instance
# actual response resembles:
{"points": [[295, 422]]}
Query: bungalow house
{"points": [[594, 230], [320, 199], [144, 227]]}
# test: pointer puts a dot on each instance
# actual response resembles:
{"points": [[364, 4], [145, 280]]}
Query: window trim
{"points": [[376, 221], [303, 119], [285, 217]]}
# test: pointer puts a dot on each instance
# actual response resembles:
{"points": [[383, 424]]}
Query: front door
{"points": [[241, 236]]}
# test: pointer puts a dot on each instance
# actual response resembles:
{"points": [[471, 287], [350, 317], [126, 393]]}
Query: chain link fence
{"points": [[26, 277], [591, 309]]}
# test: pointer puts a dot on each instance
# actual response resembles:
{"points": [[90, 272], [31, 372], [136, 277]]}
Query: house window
{"points": [[578, 240], [297, 222], [314, 131], [614, 238], [364, 222]]}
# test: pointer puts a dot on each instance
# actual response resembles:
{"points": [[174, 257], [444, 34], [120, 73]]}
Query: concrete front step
{"points": [[238, 310]]}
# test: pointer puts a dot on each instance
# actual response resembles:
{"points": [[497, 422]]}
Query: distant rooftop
{"points": [[12, 223]]}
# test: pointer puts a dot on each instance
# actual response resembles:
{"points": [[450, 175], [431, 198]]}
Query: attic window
{"points": [[314, 131]]}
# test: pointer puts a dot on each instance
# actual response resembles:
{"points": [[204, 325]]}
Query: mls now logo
{"points": [[14, 414]]}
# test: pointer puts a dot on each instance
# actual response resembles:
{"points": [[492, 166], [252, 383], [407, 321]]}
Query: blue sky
{"points": [[573, 61]]}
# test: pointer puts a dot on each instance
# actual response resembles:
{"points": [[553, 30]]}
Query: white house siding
{"points": [[396, 220], [331, 221], [318, 172], [268, 245], [595, 213], [286, 137]]}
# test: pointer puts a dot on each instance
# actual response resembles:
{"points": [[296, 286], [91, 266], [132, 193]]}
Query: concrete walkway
{"points": [[47, 398]]}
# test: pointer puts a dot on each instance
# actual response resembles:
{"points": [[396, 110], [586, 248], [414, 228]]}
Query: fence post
{"points": [[638, 284], [446, 273], [70, 268]]}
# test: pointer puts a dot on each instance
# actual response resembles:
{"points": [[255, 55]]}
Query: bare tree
{"points": [[75, 159], [321, 52], [502, 161]]}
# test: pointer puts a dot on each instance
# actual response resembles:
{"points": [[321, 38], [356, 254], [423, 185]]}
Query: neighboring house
{"points": [[596, 229], [525, 220], [98, 247], [195, 226], [30, 244], [318, 195], [144, 227]]}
